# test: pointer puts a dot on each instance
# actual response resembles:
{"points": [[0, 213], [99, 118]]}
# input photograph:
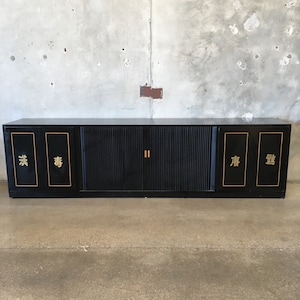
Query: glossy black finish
{"points": [[147, 157], [235, 159], [40, 145], [58, 155], [24, 159], [253, 144]]}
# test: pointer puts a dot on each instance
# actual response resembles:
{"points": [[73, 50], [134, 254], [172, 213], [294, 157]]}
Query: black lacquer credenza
{"points": [[147, 157]]}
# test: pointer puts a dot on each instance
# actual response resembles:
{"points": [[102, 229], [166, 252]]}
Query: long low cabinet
{"points": [[147, 157]]}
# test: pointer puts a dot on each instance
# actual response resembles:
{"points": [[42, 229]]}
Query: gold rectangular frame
{"points": [[246, 159], [280, 158], [69, 159], [14, 159]]}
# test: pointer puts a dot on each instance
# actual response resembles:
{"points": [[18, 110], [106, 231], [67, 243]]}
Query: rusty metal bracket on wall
{"points": [[148, 91]]}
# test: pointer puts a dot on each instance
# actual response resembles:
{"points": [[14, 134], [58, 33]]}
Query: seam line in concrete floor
{"points": [[87, 248]]}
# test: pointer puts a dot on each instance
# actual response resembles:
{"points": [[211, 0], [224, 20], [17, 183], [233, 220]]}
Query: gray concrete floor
{"points": [[150, 248]]}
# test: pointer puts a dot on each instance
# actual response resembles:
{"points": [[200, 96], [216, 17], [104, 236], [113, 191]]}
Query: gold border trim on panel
{"points": [[14, 159], [258, 159], [246, 159], [69, 159]]}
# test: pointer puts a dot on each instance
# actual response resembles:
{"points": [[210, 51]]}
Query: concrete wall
{"points": [[213, 58]]}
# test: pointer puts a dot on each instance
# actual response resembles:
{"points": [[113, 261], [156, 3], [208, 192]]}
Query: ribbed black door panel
{"points": [[180, 158], [133, 160], [112, 158]]}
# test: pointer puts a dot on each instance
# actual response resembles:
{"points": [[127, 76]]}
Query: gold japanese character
{"points": [[58, 161], [23, 160], [270, 159], [235, 161]]}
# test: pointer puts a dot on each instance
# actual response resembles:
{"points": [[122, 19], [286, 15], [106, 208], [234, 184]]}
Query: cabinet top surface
{"points": [[175, 121]]}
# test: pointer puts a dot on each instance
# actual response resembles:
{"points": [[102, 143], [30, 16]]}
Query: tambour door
{"points": [[179, 158], [112, 158]]}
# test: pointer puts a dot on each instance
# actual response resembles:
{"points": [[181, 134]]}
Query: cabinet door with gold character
{"points": [[58, 157], [253, 159], [272, 154], [24, 159]]}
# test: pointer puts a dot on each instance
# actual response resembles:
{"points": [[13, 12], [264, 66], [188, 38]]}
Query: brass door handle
{"points": [[147, 153]]}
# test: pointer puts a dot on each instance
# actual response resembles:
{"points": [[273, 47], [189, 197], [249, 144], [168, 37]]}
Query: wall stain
{"points": [[51, 45], [252, 23], [234, 29], [290, 30], [240, 64], [285, 60], [12, 58], [290, 4]]}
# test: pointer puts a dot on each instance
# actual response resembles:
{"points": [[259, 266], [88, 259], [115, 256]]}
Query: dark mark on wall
{"points": [[51, 44], [13, 58], [289, 56], [65, 49], [290, 4], [45, 56], [51, 83]]}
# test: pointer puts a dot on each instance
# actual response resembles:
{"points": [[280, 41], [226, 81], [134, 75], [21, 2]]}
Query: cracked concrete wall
{"points": [[89, 58]]}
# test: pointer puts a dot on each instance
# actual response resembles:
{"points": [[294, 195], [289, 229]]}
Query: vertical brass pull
{"points": [[147, 154]]}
